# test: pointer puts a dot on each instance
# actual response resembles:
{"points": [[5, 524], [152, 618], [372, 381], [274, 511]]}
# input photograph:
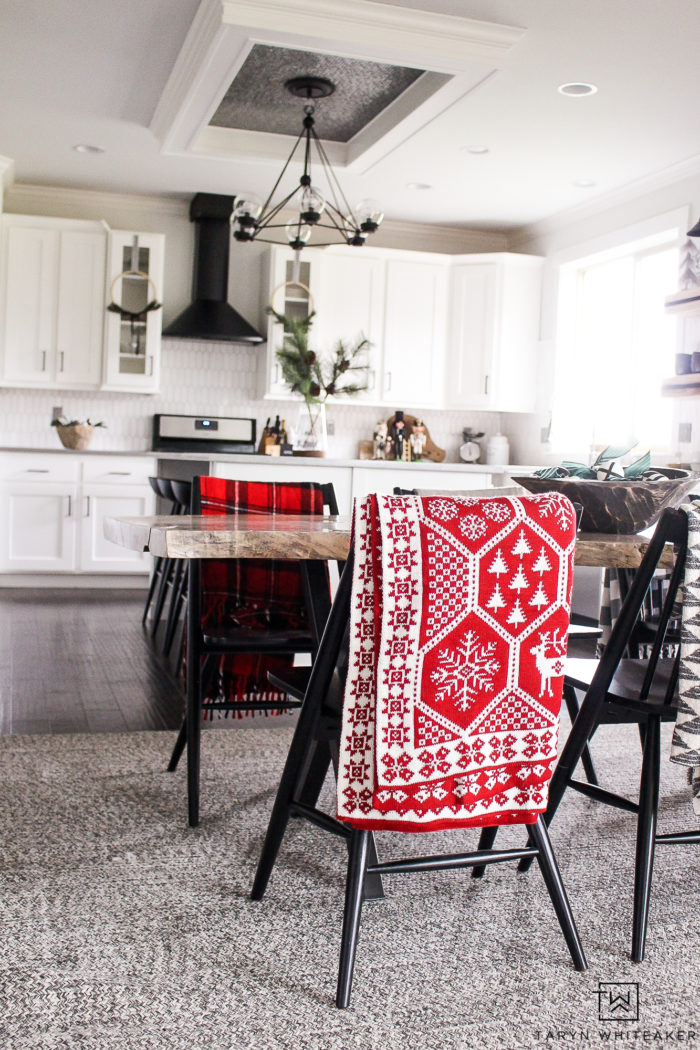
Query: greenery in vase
{"points": [[313, 377]]}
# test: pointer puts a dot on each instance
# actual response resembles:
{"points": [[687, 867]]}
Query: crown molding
{"points": [[424, 236], [373, 25], [659, 180], [460, 50], [7, 171], [25, 198]]}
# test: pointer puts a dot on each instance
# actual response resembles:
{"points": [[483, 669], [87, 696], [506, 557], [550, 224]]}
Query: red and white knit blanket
{"points": [[459, 614]]}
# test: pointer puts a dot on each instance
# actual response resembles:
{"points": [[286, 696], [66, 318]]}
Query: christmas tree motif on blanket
{"points": [[498, 565], [464, 674], [539, 598], [496, 601]]}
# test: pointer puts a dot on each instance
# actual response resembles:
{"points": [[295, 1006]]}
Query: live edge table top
{"points": [[307, 537]]}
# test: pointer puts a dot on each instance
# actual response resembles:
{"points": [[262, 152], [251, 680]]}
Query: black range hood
{"points": [[211, 316]]}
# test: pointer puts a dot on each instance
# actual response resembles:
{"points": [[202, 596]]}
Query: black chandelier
{"points": [[253, 221]]}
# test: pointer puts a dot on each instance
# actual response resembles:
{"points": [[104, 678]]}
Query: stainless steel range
{"points": [[203, 434]]}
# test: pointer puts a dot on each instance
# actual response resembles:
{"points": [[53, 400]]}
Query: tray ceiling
{"points": [[257, 99]]}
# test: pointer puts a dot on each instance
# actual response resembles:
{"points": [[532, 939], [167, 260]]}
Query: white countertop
{"points": [[311, 461]]}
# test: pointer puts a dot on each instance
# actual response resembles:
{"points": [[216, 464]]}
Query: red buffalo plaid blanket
{"points": [[459, 614], [251, 595]]}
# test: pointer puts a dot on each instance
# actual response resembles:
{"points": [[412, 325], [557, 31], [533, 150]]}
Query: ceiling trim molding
{"points": [[7, 171], [659, 180], [462, 51], [380, 26], [23, 197], [453, 239]]}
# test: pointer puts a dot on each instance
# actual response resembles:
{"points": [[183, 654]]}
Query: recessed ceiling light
{"points": [[475, 149], [584, 184], [418, 186], [85, 147], [577, 90]]}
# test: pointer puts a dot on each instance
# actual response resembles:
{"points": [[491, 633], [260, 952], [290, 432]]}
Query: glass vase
{"points": [[311, 436]]}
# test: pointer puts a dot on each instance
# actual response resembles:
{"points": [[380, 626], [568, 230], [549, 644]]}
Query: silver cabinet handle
{"points": [[43, 360], [121, 473], [60, 364], [70, 506], [388, 381], [150, 364], [37, 470], [87, 506], [486, 384]]}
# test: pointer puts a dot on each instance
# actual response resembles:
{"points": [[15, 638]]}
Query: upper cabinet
{"points": [[57, 278], [52, 302], [494, 332], [132, 334], [291, 295], [413, 343]]}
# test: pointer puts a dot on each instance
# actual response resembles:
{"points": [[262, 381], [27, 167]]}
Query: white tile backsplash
{"points": [[207, 378]]}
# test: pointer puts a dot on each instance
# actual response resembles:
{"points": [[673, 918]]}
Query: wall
{"points": [[200, 377], [574, 235]]}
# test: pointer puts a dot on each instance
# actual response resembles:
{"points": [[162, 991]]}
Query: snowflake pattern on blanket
{"points": [[459, 613]]}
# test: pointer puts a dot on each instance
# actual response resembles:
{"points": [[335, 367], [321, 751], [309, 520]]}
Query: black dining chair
{"points": [[317, 730], [618, 689], [247, 616], [182, 491]]}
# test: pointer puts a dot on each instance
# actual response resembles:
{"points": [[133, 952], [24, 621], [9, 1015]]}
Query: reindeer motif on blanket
{"points": [[551, 666]]}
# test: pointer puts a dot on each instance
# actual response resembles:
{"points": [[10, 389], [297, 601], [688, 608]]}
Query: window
{"points": [[615, 346]]}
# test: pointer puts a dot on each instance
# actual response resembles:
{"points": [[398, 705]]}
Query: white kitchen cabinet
{"points": [[38, 527], [381, 481], [350, 292], [494, 331], [294, 298], [52, 508], [52, 302], [413, 344], [132, 342]]}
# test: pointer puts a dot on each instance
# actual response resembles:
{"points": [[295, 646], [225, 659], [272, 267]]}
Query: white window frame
{"points": [[667, 229]]}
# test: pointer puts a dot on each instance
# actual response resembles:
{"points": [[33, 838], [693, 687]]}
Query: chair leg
{"points": [[193, 721], [581, 732], [572, 706], [486, 841], [553, 881], [154, 581], [646, 836], [177, 597], [161, 593], [357, 862], [179, 747]]}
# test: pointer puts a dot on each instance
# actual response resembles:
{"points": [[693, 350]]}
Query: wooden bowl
{"points": [[78, 436], [622, 507]]}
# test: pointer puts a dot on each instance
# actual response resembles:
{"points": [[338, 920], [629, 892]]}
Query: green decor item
{"points": [[317, 378]]}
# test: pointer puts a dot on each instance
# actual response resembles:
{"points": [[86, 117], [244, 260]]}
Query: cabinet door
{"points": [[30, 291], [294, 296], [38, 527], [80, 324], [98, 502], [414, 333], [133, 340], [351, 306], [469, 379]]}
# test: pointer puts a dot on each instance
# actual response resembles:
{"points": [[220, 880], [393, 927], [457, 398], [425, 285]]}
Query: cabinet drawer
{"points": [[120, 470], [38, 466]]}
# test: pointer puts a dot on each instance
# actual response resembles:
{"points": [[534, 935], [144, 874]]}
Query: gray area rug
{"points": [[122, 928]]}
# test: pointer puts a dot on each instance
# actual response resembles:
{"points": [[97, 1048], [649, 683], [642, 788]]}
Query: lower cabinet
{"points": [[52, 508]]}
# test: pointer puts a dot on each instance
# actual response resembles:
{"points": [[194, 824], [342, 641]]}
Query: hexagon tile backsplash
{"points": [[208, 379]]}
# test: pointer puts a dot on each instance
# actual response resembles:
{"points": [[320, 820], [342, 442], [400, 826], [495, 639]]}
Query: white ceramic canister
{"points": [[497, 450]]}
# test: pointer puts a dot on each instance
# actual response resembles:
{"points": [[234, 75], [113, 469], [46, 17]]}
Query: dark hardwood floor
{"points": [[78, 661]]}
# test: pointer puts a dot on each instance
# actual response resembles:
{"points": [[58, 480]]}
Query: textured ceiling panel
{"points": [[257, 100]]}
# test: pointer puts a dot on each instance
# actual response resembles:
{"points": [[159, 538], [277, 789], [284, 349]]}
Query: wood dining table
{"points": [[309, 538]]}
